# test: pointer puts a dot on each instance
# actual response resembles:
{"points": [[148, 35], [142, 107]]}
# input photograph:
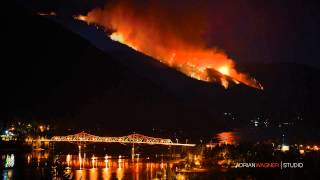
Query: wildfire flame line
{"points": [[146, 36]]}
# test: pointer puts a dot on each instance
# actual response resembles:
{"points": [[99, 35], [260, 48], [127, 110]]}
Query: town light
{"points": [[285, 148]]}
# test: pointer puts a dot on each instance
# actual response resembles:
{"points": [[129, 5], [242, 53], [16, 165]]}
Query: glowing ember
{"points": [[117, 37], [82, 18], [224, 70], [152, 33], [227, 137]]}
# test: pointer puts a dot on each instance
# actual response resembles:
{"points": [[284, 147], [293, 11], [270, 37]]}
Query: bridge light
{"points": [[93, 161], [68, 158], [106, 160]]}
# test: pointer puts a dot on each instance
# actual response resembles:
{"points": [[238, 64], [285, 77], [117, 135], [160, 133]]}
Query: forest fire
{"points": [[227, 137], [173, 41]]}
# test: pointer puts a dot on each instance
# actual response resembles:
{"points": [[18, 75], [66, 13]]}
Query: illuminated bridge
{"points": [[83, 138]]}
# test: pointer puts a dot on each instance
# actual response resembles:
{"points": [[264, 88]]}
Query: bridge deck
{"points": [[132, 139]]}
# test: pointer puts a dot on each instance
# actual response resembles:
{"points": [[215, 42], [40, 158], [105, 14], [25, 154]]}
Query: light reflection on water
{"points": [[8, 162], [89, 166], [115, 167]]}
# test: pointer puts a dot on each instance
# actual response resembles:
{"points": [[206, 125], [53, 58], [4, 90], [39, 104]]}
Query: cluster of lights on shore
{"points": [[302, 148]]}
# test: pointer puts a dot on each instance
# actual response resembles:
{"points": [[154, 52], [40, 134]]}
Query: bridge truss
{"points": [[135, 138]]}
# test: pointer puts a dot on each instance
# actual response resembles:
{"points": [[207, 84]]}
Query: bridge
{"points": [[84, 138]]}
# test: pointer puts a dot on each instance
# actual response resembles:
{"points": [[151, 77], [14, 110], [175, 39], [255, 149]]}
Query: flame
{"points": [[227, 137], [154, 35], [224, 70], [117, 37], [81, 18]]}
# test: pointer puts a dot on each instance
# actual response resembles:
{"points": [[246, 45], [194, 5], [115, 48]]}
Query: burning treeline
{"points": [[171, 32]]}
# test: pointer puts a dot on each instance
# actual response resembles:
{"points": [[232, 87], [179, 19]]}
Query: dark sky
{"points": [[271, 31], [248, 30]]}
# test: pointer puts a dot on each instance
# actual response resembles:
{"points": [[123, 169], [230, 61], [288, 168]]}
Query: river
{"points": [[45, 165]]}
